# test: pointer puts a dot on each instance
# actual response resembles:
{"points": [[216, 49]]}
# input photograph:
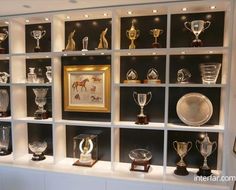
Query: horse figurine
{"points": [[103, 44], [71, 43], [80, 83]]}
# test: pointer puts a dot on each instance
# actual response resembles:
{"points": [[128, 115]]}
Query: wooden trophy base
{"points": [[39, 116], [197, 43], [142, 120], [5, 152], [86, 164], [181, 170], [36, 49], [152, 81], [155, 45], [204, 172], [132, 81], [140, 166], [3, 114], [38, 157]]}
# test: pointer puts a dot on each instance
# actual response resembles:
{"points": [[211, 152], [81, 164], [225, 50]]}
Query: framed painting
{"points": [[234, 148], [87, 88]]}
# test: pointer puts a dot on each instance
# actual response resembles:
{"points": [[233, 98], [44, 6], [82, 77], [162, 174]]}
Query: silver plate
{"points": [[140, 155], [194, 109]]}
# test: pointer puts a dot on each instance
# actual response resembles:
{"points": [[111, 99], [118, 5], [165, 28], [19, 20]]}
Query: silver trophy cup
{"points": [[85, 43], [37, 35], [142, 100]]}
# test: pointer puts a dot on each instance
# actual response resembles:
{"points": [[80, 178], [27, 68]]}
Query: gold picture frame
{"points": [[87, 88]]}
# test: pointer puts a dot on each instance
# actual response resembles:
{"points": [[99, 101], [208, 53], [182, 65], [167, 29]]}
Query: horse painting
{"points": [[96, 99], [80, 83]]}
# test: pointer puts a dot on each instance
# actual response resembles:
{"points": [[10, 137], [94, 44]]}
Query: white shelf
{"points": [[138, 85], [32, 120], [5, 84], [37, 55], [8, 159], [32, 84], [6, 119], [84, 123], [210, 128], [198, 50], [198, 85], [140, 52], [4, 56], [132, 125]]}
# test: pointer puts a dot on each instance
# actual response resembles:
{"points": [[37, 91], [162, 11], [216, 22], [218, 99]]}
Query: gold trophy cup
{"points": [[156, 33], [132, 34]]}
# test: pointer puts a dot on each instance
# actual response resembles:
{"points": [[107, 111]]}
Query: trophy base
{"points": [[142, 120], [5, 152], [155, 45], [2, 50], [152, 81], [37, 157], [4, 114], [181, 170], [132, 81], [36, 49], [197, 43], [204, 172], [86, 164], [140, 166], [100, 48], [43, 115], [84, 50]]}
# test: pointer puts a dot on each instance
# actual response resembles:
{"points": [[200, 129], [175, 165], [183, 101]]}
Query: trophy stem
{"points": [[141, 111], [132, 46], [155, 39], [205, 165], [37, 44]]}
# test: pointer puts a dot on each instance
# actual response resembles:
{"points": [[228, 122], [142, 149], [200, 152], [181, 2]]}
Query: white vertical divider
{"points": [[167, 93], [115, 98]]}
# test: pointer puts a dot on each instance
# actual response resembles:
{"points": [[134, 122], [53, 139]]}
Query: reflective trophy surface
{"points": [[4, 102], [210, 72], [49, 73], [156, 33], [183, 76], [142, 100], [4, 77], [37, 35], [152, 76], [31, 76], [197, 27], [3, 36], [103, 43], [4, 140], [38, 149], [40, 100], [132, 77], [182, 148], [85, 43], [206, 148], [132, 34]]}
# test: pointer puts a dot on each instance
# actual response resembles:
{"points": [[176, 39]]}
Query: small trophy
{"points": [[103, 44], [4, 102], [197, 26], [152, 77], [132, 77], [183, 76], [40, 100], [156, 33], [4, 77], [31, 76], [37, 35], [70, 42], [132, 34], [85, 43], [3, 36], [182, 148], [142, 100], [5, 138], [206, 149], [85, 145]]}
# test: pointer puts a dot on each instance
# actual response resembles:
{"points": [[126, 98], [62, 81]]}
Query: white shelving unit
{"points": [[160, 176]]}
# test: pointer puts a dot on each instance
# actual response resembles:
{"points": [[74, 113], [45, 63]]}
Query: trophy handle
{"points": [[150, 95], [32, 34], [207, 23], [214, 149], [175, 145], [43, 33], [191, 144], [161, 32], [186, 26], [138, 33], [197, 142], [127, 33], [135, 93]]}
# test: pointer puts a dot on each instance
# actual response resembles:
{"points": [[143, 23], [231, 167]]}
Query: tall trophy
{"points": [[132, 77], [152, 77], [156, 33], [3, 36], [37, 35], [70, 46], [5, 139], [142, 100], [4, 103], [182, 148], [183, 76], [85, 43], [40, 100], [103, 43], [197, 27], [206, 148], [132, 34]]}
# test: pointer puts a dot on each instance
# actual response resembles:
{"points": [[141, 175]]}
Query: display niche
{"points": [[143, 26], [4, 71], [4, 45], [103, 140], [212, 36], [92, 29], [79, 61], [42, 32], [192, 64]]}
